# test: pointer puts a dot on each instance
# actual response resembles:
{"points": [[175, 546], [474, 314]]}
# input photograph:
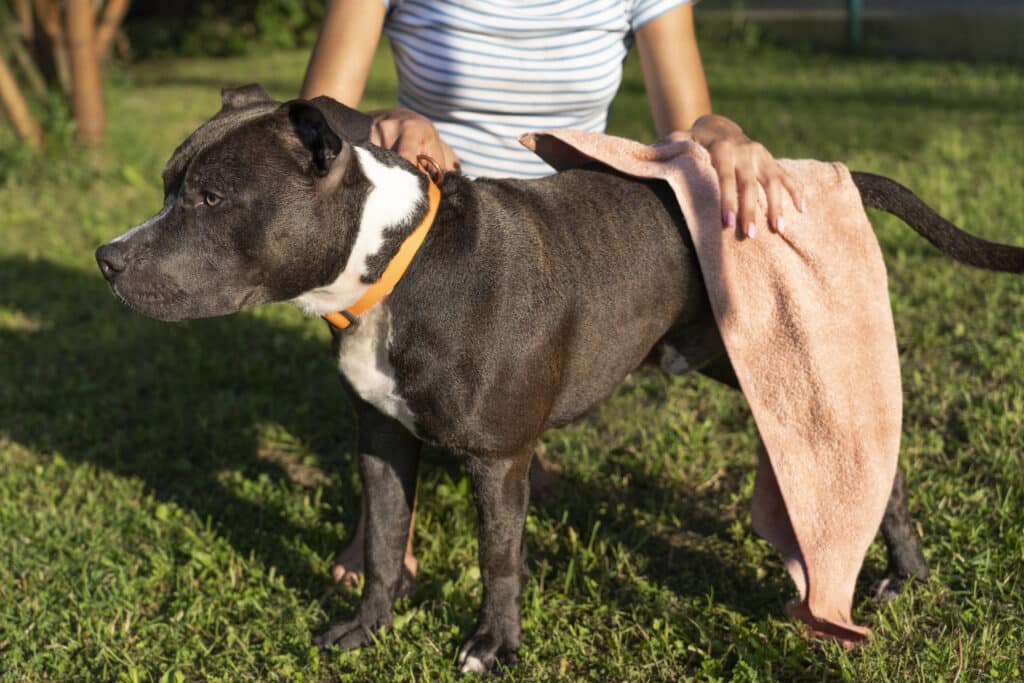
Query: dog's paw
{"points": [[894, 585], [346, 635], [483, 650]]}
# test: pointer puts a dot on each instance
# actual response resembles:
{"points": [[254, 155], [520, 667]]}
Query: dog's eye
{"points": [[210, 199]]}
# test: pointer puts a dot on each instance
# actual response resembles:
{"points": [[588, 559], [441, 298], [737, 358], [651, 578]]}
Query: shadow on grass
{"points": [[181, 407], [697, 558], [178, 406]]}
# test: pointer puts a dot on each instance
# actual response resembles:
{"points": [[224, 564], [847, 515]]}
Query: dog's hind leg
{"points": [[901, 541], [388, 461], [502, 490]]}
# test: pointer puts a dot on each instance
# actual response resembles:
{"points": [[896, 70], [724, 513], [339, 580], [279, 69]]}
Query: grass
{"points": [[171, 495]]}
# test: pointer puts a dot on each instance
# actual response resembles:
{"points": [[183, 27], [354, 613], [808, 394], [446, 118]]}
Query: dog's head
{"points": [[261, 204]]}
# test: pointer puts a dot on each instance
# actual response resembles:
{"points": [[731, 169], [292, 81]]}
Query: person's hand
{"points": [[743, 164], [410, 134]]}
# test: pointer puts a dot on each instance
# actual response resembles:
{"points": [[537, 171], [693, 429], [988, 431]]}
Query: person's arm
{"points": [[678, 94], [340, 66]]}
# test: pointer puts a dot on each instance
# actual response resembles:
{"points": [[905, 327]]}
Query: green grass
{"points": [[171, 495]]}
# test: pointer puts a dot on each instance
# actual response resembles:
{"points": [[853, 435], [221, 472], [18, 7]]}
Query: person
{"points": [[473, 75]]}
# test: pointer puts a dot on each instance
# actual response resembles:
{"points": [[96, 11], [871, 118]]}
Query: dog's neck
{"points": [[394, 205]]}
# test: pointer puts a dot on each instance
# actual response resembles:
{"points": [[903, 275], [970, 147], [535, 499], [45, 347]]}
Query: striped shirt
{"points": [[485, 72]]}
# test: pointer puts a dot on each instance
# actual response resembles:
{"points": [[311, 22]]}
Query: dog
{"points": [[503, 324]]}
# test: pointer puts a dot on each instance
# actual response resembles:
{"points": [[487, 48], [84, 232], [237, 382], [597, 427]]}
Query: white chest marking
{"points": [[363, 360], [394, 196]]}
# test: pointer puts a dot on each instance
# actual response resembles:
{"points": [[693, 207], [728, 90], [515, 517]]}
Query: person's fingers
{"points": [[794, 190], [435, 147], [375, 134], [410, 145], [419, 137], [748, 190], [385, 133], [410, 135], [744, 167], [774, 191], [727, 188], [451, 160]]}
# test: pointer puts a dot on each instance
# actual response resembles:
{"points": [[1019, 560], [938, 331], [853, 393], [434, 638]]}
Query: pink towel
{"points": [[807, 325]]}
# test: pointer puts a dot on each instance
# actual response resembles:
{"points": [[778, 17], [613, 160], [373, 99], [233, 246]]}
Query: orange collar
{"points": [[399, 263]]}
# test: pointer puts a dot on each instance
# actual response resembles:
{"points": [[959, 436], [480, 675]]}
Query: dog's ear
{"points": [[318, 138], [243, 96], [352, 125]]}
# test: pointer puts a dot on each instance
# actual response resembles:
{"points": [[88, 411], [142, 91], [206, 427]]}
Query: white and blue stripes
{"points": [[485, 72]]}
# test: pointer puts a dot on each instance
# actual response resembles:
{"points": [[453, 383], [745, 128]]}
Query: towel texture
{"points": [[807, 325]]}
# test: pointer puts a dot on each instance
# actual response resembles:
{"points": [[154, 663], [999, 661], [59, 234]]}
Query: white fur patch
{"points": [[394, 196], [142, 226], [363, 359], [473, 665]]}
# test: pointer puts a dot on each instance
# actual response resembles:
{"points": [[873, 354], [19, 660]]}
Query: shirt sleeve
{"points": [[643, 11]]}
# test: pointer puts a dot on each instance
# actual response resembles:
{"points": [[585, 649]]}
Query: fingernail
{"points": [[751, 230], [780, 225], [730, 219], [803, 205]]}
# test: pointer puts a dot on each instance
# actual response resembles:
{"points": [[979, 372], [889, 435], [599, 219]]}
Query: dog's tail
{"points": [[879, 192]]}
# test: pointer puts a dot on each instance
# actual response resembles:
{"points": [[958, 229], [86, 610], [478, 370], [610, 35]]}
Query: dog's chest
{"points": [[363, 360]]}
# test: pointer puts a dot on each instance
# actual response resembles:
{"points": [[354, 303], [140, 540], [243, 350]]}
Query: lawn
{"points": [[172, 495]]}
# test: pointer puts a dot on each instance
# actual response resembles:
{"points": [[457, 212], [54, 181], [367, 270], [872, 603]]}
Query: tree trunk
{"points": [[16, 109], [86, 87], [49, 18], [26, 25], [106, 30]]}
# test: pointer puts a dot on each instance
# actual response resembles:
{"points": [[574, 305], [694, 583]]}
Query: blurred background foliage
{"points": [[960, 29], [220, 27]]}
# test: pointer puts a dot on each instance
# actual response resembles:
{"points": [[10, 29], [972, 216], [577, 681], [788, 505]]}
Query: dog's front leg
{"points": [[502, 490], [388, 460]]}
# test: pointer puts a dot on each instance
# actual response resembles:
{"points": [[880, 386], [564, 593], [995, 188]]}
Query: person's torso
{"points": [[485, 72]]}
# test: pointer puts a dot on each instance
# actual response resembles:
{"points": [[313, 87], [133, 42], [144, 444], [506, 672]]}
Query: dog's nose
{"points": [[111, 259]]}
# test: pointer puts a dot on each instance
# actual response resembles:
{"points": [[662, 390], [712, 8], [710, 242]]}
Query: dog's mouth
{"points": [[168, 302], [154, 301]]}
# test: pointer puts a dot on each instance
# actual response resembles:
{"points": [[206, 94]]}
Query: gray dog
{"points": [[503, 325]]}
